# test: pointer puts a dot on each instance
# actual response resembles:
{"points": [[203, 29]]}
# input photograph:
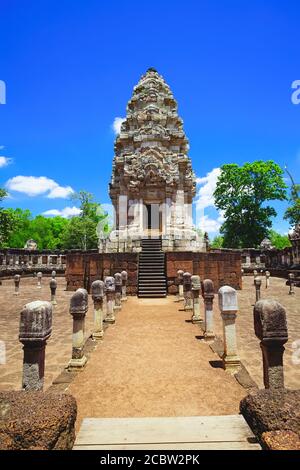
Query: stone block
{"points": [[272, 410], [37, 421]]}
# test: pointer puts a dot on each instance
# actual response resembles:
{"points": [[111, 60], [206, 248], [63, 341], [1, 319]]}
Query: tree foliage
{"points": [[292, 214], [17, 226], [279, 241], [46, 231], [242, 193], [82, 232], [217, 242], [7, 221]]}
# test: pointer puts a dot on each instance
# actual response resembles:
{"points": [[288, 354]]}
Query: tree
{"points": [[81, 232], [7, 221], [46, 231], [279, 241], [217, 242], [292, 214], [242, 193]]}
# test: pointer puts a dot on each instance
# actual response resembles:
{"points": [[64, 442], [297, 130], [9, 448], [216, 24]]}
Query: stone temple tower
{"points": [[152, 184]]}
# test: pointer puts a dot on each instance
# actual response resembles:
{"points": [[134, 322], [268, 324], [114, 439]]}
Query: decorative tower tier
{"points": [[152, 184]]}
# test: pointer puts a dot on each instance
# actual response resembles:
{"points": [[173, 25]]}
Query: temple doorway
{"points": [[153, 220]]}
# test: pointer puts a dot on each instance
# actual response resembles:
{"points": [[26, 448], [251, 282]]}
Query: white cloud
{"points": [[4, 161], [67, 212], [36, 186], [60, 192], [116, 125], [208, 186], [209, 225], [204, 199]]}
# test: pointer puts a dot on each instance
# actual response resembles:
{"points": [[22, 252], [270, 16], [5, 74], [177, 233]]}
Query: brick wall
{"points": [[84, 268], [221, 268]]}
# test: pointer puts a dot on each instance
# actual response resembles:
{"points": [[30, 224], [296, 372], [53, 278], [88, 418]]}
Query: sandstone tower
{"points": [[152, 184]]}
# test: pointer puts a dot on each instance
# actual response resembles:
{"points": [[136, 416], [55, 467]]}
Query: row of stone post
{"points": [[190, 289], [36, 325]]}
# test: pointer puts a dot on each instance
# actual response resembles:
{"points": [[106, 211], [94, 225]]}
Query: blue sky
{"points": [[70, 67]]}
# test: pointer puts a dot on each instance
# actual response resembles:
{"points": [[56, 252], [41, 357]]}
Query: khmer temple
{"points": [[152, 189], [153, 184]]}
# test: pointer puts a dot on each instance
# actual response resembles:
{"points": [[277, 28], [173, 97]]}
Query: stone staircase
{"points": [[152, 276]]}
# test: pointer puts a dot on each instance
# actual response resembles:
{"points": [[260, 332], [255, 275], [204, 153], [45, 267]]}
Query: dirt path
{"points": [[151, 363]]}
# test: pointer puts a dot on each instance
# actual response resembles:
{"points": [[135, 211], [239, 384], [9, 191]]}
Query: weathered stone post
{"points": [[292, 284], [53, 287], [255, 274], [124, 275], [118, 291], [78, 310], [257, 284], [17, 279], [180, 294], [98, 297], [53, 274], [109, 283], [187, 288], [208, 297], [271, 328], [229, 307], [35, 329], [39, 278], [267, 274], [196, 286]]}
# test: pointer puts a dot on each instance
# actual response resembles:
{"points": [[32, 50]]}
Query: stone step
{"points": [[228, 432], [152, 265]]}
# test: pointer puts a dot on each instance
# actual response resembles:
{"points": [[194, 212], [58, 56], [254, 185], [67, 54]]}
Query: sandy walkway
{"points": [[151, 363]]}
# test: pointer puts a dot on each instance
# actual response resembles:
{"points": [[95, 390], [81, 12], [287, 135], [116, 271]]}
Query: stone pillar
{"points": [[78, 310], [180, 295], [53, 274], [257, 284], [39, 278], [292, 284], [118, 291], [35, 329], [17, 279], [53, 287], [124, 276], [208, 297], [109, 284], [267, 274], [97, 290], [270, 327], [228, 306], [196, 286], [187, 288]]}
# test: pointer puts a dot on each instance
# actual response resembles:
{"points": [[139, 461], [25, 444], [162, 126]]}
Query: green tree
{"points": [[242, 193], [81, 233], [217, 242], [279, 241], [7, 221], [47, 232], [292, 214]]}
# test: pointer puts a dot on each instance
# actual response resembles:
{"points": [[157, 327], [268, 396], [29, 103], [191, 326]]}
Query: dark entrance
{"points": [[149, 226]]}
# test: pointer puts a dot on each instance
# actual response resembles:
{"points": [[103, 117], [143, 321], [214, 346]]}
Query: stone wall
{"points": [[84, 268], [27, 262], [221, 268]]}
